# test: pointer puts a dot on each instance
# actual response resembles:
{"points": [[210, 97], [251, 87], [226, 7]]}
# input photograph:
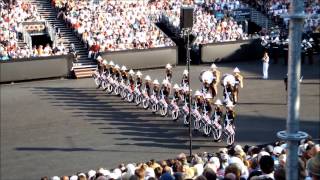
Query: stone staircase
{"points": [[261, 19], [82, 67]]}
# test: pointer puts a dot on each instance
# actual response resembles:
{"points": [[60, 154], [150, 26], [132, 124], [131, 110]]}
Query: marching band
{"points": [[206, 115]]}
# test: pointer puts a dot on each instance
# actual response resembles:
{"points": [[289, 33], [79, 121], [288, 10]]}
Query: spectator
{"points": [[313, 166], [127, 27], [267, 167], [11, 18]]}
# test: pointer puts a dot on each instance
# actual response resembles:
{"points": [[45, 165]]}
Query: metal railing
{"points": [[51, 32], [26, 37]]}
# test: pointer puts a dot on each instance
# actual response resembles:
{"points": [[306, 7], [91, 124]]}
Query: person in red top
{"points": [[76, 25], [94, 50]]}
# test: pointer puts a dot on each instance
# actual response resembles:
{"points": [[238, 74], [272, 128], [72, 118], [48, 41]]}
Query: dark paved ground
{"points": [[58, 127]]}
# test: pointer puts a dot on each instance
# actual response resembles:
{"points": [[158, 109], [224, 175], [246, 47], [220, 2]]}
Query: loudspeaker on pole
{"points": [[186, 17]]}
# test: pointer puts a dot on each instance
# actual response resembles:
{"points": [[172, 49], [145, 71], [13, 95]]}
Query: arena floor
{"points": [[60, 127]]}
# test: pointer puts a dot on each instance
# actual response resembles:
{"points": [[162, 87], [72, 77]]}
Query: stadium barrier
{"points": [[232, 51], [144, 58], [35, 68]]}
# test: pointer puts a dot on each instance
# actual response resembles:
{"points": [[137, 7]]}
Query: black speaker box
{"points": [[186, 17]]}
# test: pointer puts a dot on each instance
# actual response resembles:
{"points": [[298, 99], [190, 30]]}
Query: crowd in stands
{"points": [[11, 19], [113, 25], [36, 51], [275, 8], [213, 20], [235, 163]]}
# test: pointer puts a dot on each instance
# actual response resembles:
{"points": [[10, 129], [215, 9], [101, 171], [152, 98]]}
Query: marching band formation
{"points": [[209, 115]]}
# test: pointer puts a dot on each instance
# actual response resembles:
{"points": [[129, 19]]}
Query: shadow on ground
{"points": [[138, 127]]}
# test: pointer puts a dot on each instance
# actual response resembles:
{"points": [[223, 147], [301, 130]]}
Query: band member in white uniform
{"points": [[238, 84], [214, 84], [265, 62], [184, 80], [168, 72]]}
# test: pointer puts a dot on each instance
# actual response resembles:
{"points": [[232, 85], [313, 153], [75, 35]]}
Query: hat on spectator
{"points": [[117, 66], [213, 66], [123, 68], [176, 86], [302, 148], [284, 146], [269, 148], [131, 72], [262, 153], [139, 74], [103, 171], [111, 63], [277, 150], [218, 102], [216, 162], [104, 62], [112, 176], [168, 66], [311, 39], [91, 173], [74, 177], [236, 70], [130, 169], [147, 78], [313, 165], [185, 72], [55, 178], [156, 82]]}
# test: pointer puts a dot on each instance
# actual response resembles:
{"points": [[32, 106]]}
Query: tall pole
{"points": [[190, 101], [292, 134]]}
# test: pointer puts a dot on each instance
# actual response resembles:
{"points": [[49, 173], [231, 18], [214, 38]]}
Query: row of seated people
{"points": [[233, 163], [213, 20], [113, 25], [276, 8], [16, 52], [11, 18]]}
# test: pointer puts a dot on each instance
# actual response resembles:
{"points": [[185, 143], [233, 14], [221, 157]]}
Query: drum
{"points": [[228, 78], [229, 130], [207, 76]]}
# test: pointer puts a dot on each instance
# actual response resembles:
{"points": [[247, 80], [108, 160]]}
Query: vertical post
{"points": [[292, 134], [294, 69], [10, 4], [190, 101]]}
